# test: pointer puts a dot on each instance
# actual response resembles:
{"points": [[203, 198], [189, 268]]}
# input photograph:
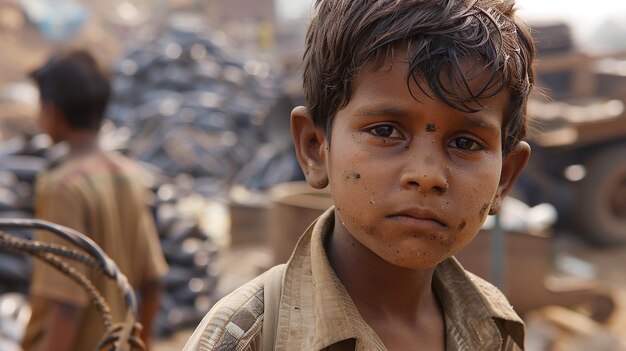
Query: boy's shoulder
{"points": [[68, 170], [235, 322]]}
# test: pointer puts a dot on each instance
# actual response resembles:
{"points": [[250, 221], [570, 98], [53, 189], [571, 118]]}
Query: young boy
{"points": [[97, 193], [416, 111]]}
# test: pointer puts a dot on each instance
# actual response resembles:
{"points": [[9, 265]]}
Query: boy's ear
{"points": [[310, 144], [512, 166]]}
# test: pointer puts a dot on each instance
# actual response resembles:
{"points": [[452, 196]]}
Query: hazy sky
{"points": [[583, 17]]}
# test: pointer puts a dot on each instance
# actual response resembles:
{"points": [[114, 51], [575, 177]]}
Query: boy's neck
{"points": [[397, 303], [80, 140], [377, 287]]}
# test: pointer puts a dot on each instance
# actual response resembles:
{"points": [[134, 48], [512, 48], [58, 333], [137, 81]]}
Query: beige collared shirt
{"points": [[316, 312]]}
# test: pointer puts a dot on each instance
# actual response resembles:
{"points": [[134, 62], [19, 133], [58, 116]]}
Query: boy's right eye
{"points": [[385, 131]]}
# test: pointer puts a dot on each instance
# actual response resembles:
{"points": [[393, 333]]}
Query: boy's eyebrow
{"points": [[474, 121], [383, 111], [482, 123]]}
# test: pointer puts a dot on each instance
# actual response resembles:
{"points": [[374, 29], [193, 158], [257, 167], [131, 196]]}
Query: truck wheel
{"points": [[601, 202]]}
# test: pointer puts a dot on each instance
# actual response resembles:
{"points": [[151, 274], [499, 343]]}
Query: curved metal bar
{"points": [[32, 247], [109, 267]]}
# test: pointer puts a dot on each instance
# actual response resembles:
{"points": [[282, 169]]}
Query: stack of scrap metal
{"points": [[21, 159], [189, 105], [190, 284]]}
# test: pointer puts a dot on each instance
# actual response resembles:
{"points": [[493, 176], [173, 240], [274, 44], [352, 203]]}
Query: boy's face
{"points": [[412, 180]]}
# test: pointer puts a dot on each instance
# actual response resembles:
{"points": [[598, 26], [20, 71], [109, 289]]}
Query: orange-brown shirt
{"points": [[99, 194], [317, 313]]}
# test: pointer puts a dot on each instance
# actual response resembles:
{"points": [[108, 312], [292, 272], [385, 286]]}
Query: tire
{"points": [[600, 208]]}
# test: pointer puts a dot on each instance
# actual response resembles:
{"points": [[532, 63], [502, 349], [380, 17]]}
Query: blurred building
{"points": [[220, 11], [252, 23]]}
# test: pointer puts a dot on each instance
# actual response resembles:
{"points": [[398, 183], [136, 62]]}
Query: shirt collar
{"points": [[315, 309], [336, 316], [325, 315], [481, 327]]}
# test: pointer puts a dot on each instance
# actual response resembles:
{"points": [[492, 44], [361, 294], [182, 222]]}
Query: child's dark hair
{"points": [[76, 85], [346, 37]]}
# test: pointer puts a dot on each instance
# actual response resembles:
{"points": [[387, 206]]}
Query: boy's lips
{"points": [[419, 217]]}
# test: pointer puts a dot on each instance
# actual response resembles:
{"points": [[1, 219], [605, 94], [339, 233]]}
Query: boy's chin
{"points": [[415, 261], [416, 254]]}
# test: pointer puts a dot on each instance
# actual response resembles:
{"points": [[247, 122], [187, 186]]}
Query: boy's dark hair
{"points": [[346, 37], [76, 85]]}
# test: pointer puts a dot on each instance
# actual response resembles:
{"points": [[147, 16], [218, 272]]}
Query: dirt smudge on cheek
{"points": [[351, 175], [463, 224], [371, 231], [445, 241], [483, 209]]}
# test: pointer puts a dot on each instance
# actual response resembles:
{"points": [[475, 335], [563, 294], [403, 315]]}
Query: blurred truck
{"points": [[578, 137]]}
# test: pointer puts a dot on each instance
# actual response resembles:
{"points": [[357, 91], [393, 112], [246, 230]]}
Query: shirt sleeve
{"points": [[234, 323], [61, 206]]}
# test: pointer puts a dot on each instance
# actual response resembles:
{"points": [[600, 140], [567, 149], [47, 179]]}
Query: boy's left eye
{"points": [[466, 144]]}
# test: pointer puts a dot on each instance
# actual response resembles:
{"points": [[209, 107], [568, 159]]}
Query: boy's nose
{"points": [[425, 175]]}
